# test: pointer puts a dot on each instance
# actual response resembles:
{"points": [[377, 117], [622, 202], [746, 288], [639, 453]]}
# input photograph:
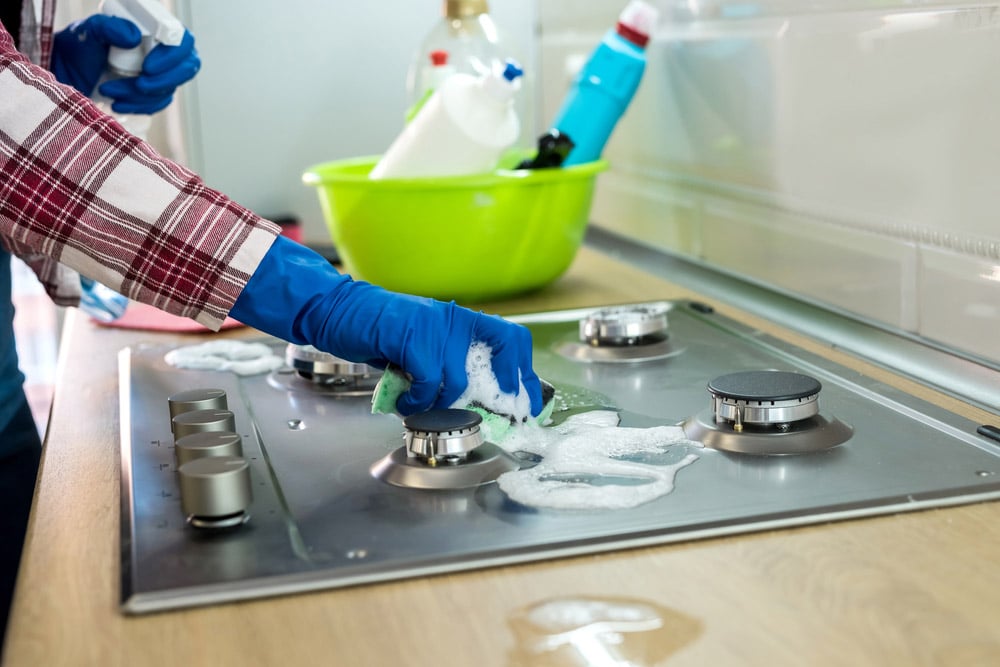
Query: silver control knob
{"points": [[207, 443], [196, 399], [199, 421], [215, 491]]}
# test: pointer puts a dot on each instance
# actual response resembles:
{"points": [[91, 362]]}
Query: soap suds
{"points": [[584, 463], [226, 355], [484, 389]]}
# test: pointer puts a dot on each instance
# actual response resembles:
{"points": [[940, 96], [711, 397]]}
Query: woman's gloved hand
{"points": [[80, 52], [80, 57], [163, 70], [297, 296]]}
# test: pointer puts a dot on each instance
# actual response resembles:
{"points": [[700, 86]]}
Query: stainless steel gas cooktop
{"points": [[236, 487]]}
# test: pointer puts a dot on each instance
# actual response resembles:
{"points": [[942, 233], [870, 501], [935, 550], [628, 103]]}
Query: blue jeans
{"points": [[18, 470]]}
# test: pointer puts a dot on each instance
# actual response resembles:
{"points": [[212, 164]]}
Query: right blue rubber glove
{"points": [[296, 295]]}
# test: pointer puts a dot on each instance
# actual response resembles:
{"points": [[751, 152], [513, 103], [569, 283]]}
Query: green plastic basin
{"points": [[468, 238]]}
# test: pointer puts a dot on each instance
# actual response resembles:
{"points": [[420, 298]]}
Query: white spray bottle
{"points": [[158, 26]]}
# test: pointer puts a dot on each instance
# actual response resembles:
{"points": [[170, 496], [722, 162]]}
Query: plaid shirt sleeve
{"points": [[79, 190]]}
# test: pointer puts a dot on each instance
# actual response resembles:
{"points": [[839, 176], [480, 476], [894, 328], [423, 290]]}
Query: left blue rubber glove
{"points": [[297, 296], [80, 58], [80, 52], [163, 70]]}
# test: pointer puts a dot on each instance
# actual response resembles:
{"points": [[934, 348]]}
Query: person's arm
{"points": [[81, 190]]}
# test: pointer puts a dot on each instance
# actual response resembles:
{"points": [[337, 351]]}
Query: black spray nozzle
{"points": [[553, 147]]}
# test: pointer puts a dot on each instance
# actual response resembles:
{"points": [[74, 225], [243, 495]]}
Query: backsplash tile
{"points": [[840, 150], [959, 302]]}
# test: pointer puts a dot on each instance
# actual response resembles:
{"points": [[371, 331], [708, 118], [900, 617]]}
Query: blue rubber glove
{"points": [[80, 52], [80, 57], [297, 296], [101, 302], [163, 70]]}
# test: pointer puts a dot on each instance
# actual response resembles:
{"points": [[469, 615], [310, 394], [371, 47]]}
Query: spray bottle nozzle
{"points": [[155, 22]]}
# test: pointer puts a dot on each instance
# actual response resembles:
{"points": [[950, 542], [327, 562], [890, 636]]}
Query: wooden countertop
{"points": [[919, 588]]}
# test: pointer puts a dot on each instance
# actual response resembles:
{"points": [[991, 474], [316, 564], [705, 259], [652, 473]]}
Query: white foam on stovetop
{"points": [[587, 446], [225, 355]]}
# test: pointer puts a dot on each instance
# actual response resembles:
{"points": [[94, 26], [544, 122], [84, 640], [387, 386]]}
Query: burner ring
{"points": [[624, 326], [764, 398], [814, 434], [442, 436], [482, 466], [322, 367], [626, 334]]}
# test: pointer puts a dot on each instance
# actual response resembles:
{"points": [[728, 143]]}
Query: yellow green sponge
{"points": [[494, 426]]}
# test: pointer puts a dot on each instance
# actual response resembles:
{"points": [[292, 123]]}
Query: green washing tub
{"points": [[468, 238]]}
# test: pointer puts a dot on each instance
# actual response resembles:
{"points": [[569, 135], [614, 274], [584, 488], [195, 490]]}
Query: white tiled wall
{"points": [[845, 150]]}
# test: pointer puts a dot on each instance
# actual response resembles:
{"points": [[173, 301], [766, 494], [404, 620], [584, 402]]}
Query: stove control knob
{"points": [[207, 443], [196, 399], [200, 421], [215, 491]]}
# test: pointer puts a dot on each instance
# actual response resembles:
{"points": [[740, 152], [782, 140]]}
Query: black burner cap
{"points": [[442, 421], [548, 392], [764, 386]]}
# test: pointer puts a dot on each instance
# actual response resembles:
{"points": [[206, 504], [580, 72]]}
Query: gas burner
{"points": [[442, 436], [625, 333], [322, 367], [444, 449], [766, 412], [766, 398], [309, 369]]}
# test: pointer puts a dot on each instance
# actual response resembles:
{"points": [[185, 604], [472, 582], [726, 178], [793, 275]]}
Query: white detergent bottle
{"points": [[476, 45], [435, 73], [463, 128]]}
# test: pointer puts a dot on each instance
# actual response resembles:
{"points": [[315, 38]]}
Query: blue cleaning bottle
{"points": [[606, 84]]}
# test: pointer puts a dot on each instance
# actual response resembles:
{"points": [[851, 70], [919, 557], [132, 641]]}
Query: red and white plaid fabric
{"points": [[79, 191], [36, 30]]}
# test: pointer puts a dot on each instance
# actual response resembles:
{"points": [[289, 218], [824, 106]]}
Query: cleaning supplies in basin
{"points": [[476, 44], [553, 147], [606, 84], [437, 71], [463, 128]]}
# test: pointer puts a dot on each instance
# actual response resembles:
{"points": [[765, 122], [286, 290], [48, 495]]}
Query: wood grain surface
{"points": [[920, 588]]}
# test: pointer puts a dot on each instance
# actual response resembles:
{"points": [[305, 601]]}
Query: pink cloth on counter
{"points": [[148, 318]]}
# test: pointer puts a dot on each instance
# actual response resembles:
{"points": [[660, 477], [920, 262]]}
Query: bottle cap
{"points": [[460, 9], [637, 21], [512, 70], [438, 57], [503, 85]]}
